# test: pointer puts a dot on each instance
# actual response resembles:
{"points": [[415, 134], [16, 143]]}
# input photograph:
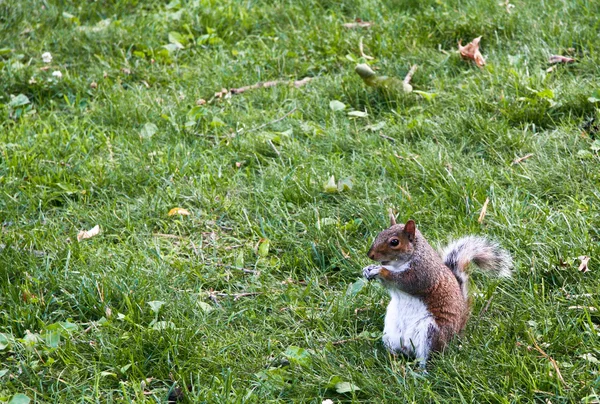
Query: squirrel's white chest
{"points": [[408, 326]]}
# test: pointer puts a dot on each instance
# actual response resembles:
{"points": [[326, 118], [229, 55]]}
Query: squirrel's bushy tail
{"points": [[484, 253]]}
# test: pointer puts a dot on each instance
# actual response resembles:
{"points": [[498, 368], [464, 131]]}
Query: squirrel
{"points": [[429, 293]]}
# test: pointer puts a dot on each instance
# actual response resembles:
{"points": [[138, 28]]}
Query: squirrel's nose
{"points": [[371, 255]]}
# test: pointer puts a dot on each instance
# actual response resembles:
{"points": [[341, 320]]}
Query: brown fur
{"points": [[427, 278]]}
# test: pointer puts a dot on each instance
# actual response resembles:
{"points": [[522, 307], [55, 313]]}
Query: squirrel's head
{"points": [[395, 244]]}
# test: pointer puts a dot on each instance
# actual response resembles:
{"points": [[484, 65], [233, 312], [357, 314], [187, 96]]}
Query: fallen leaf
{"points": [[345, 184], [376, 126], [19, 398], [83, 234], [560, 59], [583, 267], [18, 101], [336, 105], [471, 52], [263, 248], [330, 187], [178, 211], [148, 130], [345, 387], [358, 114]]}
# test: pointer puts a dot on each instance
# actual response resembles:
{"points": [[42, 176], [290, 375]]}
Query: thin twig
{"points": [[362, 53], [343, 341], [246, 270], [358, 23], [391, 139], [410, 73], [274, 148], [266, 84], [486, 307], [168, 236], [272, 122], [551, 359], [237, 296], [520, 159]]}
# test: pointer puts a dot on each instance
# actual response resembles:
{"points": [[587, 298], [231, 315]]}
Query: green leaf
{"points": [[155, 305], [345, 184], [427, 96], [205, 307], [148, 130], [585, 154], [356, 287], [18, 101], [177, 38], [4, 342], [298, 355], [336, 105], [263, 248], [19, 398], [328, 221], [595, 96], [330, 186], [595, 145], [239, 259], [216, 122], [546, 94], [376, 126], [163, 325], [52, 338], [346, 387], [196, 112], [3, 372]]}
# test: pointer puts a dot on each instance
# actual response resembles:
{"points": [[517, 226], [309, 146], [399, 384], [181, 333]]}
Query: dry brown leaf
{"points": [[179, 211], [560, 59], [583, 267], [358, 23], [483, 210], [83, 234], [471, 52]]}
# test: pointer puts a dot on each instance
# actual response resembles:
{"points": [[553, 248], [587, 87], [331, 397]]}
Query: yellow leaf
{"points": [[179, 211]]}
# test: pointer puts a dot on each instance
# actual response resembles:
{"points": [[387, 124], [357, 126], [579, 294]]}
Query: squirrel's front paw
{"points": [[371, 271]]}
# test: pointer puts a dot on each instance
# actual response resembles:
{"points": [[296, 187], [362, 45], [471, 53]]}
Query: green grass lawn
{"points": [[255, 296]]}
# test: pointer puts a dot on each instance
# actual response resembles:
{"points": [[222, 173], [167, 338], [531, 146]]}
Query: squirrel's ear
{"points": [[392, 218], [409, 229]]}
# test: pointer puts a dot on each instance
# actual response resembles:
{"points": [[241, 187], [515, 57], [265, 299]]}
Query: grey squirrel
{"points": [[429, 294]]}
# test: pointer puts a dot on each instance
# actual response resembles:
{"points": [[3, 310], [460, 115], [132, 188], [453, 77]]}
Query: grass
{"points": [[260, 289]]}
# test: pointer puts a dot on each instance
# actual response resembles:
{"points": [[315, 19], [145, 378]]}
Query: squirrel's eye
{"points": [[394, 242]]}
